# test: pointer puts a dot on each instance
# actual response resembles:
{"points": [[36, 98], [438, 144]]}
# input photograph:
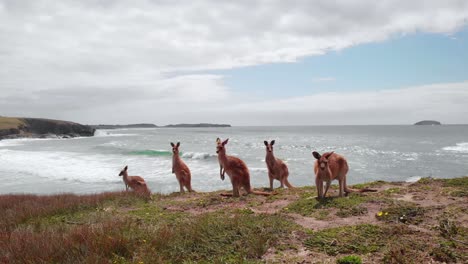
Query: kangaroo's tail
{"points": [[262, 193], [286, 182], [350, 190]]}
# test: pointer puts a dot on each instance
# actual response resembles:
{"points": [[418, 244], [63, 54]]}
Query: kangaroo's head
{"points": [[175, 148], [124, 171], [322, 159], [269, 146], [220, 145]]}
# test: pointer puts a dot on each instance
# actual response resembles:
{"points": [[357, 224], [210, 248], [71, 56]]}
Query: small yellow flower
{"points": [[386, 213], [286, 208], [379, 213], [144, 240]]}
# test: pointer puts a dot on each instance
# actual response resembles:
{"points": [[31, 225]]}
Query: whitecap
{"points": [[413, 179], [460, 147], [197, 155], [109, 133]]}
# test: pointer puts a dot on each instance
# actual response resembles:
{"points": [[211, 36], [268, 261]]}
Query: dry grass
{"points": [[10, 122], [17, 209]]}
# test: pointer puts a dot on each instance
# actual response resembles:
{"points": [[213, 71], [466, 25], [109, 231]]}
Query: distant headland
{"points": [[198, 125], [13, 127], [428, 123], [143, 125]]}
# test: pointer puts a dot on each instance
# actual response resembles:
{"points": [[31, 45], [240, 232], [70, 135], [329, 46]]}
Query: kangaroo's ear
{"points": [[126, 168], [272, 142], [266, 143], [328, 154], [218, 140], [225, 141], [316, 155], [172, 144], [178, 144]]}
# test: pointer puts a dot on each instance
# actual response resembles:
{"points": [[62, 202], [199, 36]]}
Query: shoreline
{"points": [[421, 222]]}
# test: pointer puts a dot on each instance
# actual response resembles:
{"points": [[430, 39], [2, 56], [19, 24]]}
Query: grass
{"points": [[360, 239], [17, 209], [308, 205], [10, 122], [403, 213], [122, 227], [456, 182]]}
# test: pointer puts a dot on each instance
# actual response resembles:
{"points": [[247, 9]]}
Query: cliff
{"points": [[39, 128]]}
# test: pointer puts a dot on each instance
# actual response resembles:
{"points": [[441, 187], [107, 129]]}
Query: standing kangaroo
{"points": [[136, 183], [277, 169], [236, 170], [180, 169], [331, 166]]}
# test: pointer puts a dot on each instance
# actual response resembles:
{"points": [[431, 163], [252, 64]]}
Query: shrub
{"points": [[349, 260]]}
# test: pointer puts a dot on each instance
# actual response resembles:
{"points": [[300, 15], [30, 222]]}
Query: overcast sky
{"points": [[240, 62]]}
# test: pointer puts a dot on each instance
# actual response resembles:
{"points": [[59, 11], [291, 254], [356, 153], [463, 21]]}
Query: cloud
{"points": [[67, 57], [445, 102]]}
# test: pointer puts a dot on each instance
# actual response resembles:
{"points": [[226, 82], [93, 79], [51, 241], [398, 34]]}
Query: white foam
{"points": [[198, 155], [460, 147], [109, 133], [77, 167], [413, 179]]}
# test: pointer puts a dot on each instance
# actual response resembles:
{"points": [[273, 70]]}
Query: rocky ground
{"points": [[422, 222]]}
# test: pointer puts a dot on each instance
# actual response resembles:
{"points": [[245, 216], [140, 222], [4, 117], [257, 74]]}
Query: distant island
{"points": [[428, 123], [198, 125], [143, 125], [14, 127]]}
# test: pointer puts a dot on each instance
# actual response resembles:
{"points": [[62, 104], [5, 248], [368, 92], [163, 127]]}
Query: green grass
{"points": [[349, 260], [456, 182], [308, 205], [217, 237], [359, 239], [368, 184], [407, 213]]}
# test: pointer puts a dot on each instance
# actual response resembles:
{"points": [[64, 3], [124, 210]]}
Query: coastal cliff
{"points": [[11, 127]]}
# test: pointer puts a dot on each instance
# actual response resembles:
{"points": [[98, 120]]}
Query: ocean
{"points": [[92, 164]]}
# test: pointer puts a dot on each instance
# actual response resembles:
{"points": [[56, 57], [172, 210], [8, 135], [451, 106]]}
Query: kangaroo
{"points": [[236, 170], [136, 183], [277, 169], [331, 166], [180, 169]]}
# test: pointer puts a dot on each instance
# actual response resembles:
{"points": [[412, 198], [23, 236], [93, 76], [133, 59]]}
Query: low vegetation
{"points": [[391, 226], [10, 122]]}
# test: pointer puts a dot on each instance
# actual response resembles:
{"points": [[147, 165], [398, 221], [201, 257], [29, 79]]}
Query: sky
{"points": [[246, 62]]}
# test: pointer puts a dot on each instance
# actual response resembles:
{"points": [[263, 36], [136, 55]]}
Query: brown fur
{"points": [[136, 183], [180, 169], [331, 166], [277, 169], [236, 170]]}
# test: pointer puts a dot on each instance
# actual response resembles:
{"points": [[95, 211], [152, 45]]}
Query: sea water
{"points": [[92, 164]]}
